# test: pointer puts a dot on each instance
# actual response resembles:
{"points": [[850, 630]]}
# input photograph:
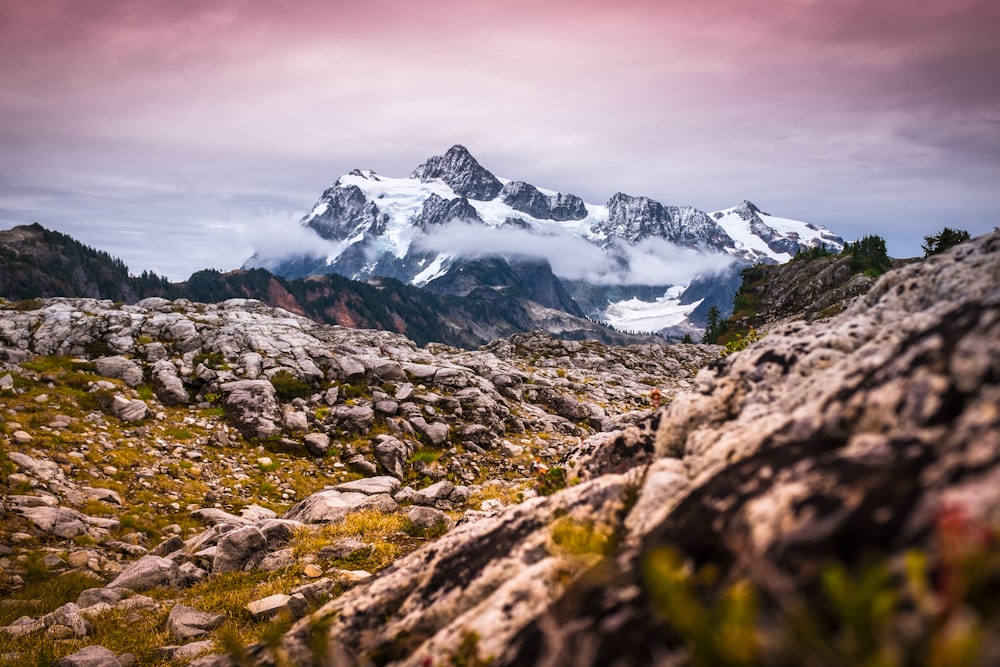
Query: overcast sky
{"points": [[180, 135]]}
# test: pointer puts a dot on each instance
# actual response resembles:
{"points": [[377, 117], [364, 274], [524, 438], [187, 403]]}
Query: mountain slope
{"points": [[37, 262]]}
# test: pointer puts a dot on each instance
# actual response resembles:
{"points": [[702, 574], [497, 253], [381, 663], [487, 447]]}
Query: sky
{"points": [[186, 134]]}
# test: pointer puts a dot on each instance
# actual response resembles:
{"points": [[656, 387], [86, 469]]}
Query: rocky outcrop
{"points": [[438, 211], [526, 198], [804, 289], [633, 219], [823, 440], [344, 212], [826, 439]]}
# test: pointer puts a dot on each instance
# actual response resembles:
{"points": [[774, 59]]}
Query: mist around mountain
{"points": [[629, 262], [36, 263]]}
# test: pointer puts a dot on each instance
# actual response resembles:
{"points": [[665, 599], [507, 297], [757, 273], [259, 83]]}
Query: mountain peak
{"points": [[747, 209], [461, 172]]}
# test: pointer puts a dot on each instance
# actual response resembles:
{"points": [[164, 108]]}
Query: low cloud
{"points": [[278, 236], [649, 262]]}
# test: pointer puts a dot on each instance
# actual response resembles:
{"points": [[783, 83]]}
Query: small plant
{"points": [[268, 465], [145, 392], [550, 480], [28, 304], [581, 538], [425, 456], [213, 360], [178, 433], [466, 654], [355, 390], [742, 341], [429, 532]]}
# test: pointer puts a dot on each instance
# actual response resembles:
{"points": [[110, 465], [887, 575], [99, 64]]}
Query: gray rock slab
{"points": [[333, 505], [148, 572], [89, 656], [187, 622]]}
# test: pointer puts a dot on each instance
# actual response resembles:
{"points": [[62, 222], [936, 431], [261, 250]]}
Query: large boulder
{"points": [[167, 383], [252, 407], [133, 410], [89, 656], [239, 549], [121, 368], [392, 454], [333, 505], [148, 572]]}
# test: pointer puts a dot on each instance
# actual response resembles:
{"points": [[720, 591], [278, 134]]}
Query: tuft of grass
{"points": [[43, 592], [581, 538], [425, 456], [178, 433], [387, 533]]}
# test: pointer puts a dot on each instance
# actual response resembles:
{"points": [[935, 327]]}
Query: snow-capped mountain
{"points": [[628, 261]]}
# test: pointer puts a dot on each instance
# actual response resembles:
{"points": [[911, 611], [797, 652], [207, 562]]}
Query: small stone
{"points": [[21, 437], [312, 571], [273, 605], [511, 450]]}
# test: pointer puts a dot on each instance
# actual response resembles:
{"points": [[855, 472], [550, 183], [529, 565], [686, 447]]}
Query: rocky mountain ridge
{"points": [[713, 529]]}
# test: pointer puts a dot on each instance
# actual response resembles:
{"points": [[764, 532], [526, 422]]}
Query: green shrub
{"points": [[213, 360], [934, 606], [741, 342], [28, 304], [289, 387], [868, 255], [550, 480]]}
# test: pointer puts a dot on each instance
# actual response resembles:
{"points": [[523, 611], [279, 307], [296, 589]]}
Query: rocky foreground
{"points": [[155, 447], [829, 496]]}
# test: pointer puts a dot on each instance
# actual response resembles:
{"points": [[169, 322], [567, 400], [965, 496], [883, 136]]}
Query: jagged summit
{"points": [[461, 172], [747, 209]]}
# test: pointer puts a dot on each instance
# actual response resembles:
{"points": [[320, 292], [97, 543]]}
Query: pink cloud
{"points": [[815, 109]]}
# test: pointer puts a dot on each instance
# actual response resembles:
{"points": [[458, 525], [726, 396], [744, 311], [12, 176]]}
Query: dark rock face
{"points": [[462, 173], [823, 440], [528, 199], [347, 213], [531, 278], [804, 289], [633, 219], [438, 211]]}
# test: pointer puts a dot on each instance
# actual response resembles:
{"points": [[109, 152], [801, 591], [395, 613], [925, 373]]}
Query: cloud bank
{"points": [[649, 262], [860, 115]]}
